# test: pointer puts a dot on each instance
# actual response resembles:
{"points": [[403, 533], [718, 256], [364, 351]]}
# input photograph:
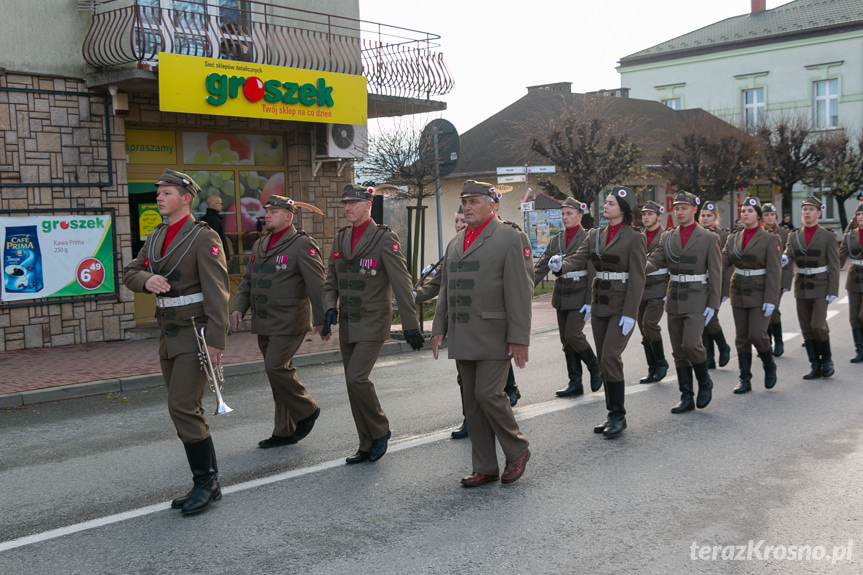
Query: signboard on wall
{"points": [[56, 256]]}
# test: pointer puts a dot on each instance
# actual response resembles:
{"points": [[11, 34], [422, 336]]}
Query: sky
{"points": [[494, 49]]}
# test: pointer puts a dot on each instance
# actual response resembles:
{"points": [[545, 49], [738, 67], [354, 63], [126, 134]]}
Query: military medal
{"points": [[367, 267]]}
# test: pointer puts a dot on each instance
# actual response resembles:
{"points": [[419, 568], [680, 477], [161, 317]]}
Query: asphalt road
{"points": [[86, 482]]}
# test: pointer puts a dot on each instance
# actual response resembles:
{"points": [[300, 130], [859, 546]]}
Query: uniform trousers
{"points": [[488, 414], [751, 329], [186, 383], [812, 315], [712, 327], [570, 326], [649, 314], [358, 359], [684, 331], [610, 343], [293, 402], [855, 309]]}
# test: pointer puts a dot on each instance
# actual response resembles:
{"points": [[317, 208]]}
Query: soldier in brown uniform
{"points": [[710, 219], [618, 254], [852, 247], [815, 252], [484, 309], [366, 268], [653, 300], [183, 263], [282, 284], [691, 255], [754, 284], [774, 330]]}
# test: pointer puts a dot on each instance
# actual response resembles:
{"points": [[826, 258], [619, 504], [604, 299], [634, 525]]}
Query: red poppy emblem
{"points": [[395, 247], [313, 252], [147, 262], [337, 254], [778, 249], [527, 252], [251, 259], [215, 250]]}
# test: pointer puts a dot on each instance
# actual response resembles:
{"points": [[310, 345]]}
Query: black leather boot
{"points": [[827, 369], [461, 432], [769, 368], [511, 389], [684, 383], [651, 363], [857, 332], [205, 473], [573, 368], [814, 360], [659, 360], [178, 503], [705, 385], [724, 348], [589, 359], [778, 344], [744, 382], [617, 413], [707, 342], [601, 427]]}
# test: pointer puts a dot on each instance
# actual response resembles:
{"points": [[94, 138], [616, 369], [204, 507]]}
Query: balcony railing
{"points": [[395, 61]]}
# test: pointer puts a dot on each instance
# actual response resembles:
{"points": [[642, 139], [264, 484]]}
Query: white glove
{"points": [[785, 290], [724, 298], [555, 263], [415, 294], [626, 324], [831, 299], [785, 260], [768, 309], [426, 270], [708, 314], [585, 309]]}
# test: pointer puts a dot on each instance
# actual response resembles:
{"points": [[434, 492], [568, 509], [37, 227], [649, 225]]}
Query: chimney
{"points": [[759, 6]]}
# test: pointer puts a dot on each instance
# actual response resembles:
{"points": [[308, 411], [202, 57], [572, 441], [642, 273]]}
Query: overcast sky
{"points": [[494, 49]]}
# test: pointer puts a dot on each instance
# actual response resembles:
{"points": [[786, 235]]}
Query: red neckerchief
{"points": [[357, 233], [470, 234], [275, 237], [685, 232], [747, 235], [570, 233], [809, 232], [173, 230], [650, 235], [612, 231]]}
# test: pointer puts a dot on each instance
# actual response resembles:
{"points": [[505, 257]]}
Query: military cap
{"points": [[574, 204], [754, 202], [710, 207], [180, 180], [768, 207], [474, 188], [280, 202], [354, 192], [625, 194], [814, 202], [683, 197], [651, 206], [459, 210]]}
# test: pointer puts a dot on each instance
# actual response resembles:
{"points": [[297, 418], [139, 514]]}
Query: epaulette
{"points": [[301, 232], [203, 223], [512, 224], [383, 227]]}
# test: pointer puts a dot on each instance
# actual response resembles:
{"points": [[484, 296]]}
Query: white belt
{"points": [[811, 271], [750, 273], [163, 302], [661, 272], [856, 262], [689, 279], [575, 275], [623, 276]]}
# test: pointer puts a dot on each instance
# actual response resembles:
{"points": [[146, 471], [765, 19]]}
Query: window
{"points": [[753, 107], [826, 104], [673, 103]]}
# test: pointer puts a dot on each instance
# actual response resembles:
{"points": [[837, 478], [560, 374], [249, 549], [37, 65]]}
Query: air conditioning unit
{"points": [[341, 141]]}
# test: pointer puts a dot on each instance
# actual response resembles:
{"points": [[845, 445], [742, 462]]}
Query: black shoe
{"points": [[744, 383], [814, 360], [276, 441], [304, 426], [684, 384], [615, 427], [601, 427], [202, 461], [651, 363], [659, 360], [357, 457], [769, 368], [705, 385], [778, 344], [379, 447], [514, 395], [461, 432]]}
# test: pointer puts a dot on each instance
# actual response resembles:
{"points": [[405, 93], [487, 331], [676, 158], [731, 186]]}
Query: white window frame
{"points": [[754, 110], [673, 103], [825, 106]]}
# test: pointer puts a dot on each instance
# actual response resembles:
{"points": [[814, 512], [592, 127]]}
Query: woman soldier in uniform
{"points": [[755, 284], [852, 246], [710, 220], [618, 253], [774, 330]]}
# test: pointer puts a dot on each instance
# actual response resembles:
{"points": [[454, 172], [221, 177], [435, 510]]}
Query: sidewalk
{"points": [[48, 374]]}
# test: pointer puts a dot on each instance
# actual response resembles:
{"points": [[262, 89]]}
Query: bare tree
{"points": [[788, 156], [839, 170]]}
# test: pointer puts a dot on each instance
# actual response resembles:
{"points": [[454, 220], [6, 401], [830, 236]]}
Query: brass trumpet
{"points": [[215, 376]]}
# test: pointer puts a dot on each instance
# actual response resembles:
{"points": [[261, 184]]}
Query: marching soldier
{"points": [[365, 270], [571, 299], [183, 263], [754, 286], [691, 255], [814, 250], [282, 283], [710, 220], [852, 247], [653, 301], [618, 254], [484, 309], [774, 330]]}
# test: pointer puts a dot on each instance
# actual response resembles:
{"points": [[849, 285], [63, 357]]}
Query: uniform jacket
{"points": [[655, 286], [362, 282], [700, 256], [194, 263], [283, 285], [625, 253], [762, 252], [821, 251], [569, 293], [486, 293], [787, 271], [851, 248]]}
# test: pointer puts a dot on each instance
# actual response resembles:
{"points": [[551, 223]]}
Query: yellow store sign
{"points": [[151, 147], [196, 85]]}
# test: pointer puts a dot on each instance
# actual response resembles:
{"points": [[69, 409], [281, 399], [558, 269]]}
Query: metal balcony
{"points": [[397, 62]]}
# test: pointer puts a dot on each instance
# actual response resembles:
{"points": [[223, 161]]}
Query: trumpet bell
{"points": [[222, 408]]}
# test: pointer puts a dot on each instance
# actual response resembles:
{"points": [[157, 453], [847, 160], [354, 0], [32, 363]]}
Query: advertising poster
{"points": [[56, 256], [148, 218]]}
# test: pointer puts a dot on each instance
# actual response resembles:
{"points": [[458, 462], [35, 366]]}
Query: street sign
{"points": [[510, 170], [504, 171], [540, 169], [510, 179], [527, 206]]}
